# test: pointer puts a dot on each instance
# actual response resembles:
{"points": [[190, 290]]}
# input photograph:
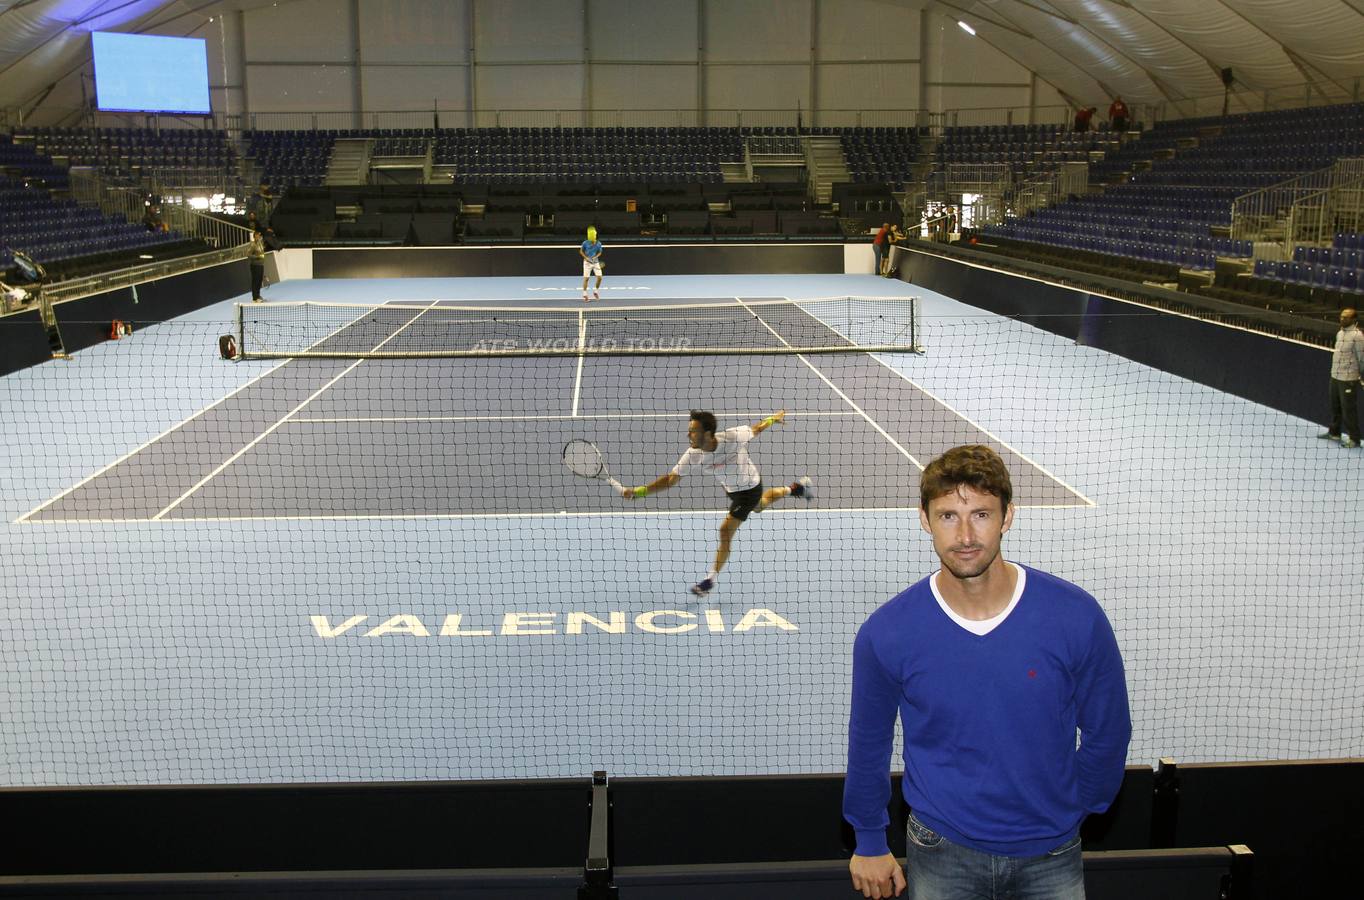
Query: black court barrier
{"points": [[1201, 873], [274, 828], [86, 322], [488, 884], [1286, 374], [563, 259], [1299, 818], [23, 341], [1198, 873], [1302, 819]]}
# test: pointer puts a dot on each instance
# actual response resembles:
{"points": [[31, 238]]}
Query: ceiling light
{"points": [[966, 28]]}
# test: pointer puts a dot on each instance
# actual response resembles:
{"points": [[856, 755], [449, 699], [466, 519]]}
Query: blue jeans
{"points": [[941, 870]]}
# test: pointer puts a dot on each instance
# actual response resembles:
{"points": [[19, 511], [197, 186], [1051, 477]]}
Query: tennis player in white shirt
{"points": [[725, 455]]}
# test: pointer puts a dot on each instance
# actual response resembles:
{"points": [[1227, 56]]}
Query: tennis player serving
{"points": [[725, 455], [590, 251]]}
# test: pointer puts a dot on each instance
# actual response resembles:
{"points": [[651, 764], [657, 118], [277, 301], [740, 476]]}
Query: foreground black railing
{"points": [[1179, 831]]}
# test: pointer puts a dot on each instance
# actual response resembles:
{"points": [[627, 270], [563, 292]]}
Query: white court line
{"points": [[582, 342], [260, 437], [985, 431], [46, 503], [623, 416], [894, 443]]}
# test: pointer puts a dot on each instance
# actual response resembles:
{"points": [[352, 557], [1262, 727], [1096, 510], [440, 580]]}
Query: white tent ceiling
{"points": [[43, 42], [1155, 50], [1146, 50]]}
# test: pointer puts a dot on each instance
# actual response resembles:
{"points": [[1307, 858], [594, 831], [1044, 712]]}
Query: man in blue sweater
{"points": [[993, 668]]}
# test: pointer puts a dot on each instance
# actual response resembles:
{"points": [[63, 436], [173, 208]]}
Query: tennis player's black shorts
{"points": [[741, 503]]}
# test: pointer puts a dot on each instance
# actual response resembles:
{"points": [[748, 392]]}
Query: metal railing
{"points": [[1003, 115], [225, 188], [75, 288], [123, 201], [1242, 99], [1070, 179], [130, 204], [573, 118], [1262, 215], [1316, 218], [403, 120], [973, 178], [1238, 100]]}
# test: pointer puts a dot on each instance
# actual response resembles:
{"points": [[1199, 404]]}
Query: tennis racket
{"points": [[583, 458]]}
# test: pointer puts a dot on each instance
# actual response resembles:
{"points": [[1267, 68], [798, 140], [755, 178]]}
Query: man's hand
{"points": [[778, 416], [628, 493], [877, 876]]}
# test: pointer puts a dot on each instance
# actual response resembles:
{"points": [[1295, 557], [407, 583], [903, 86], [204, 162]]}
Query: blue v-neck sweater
{"points": [[990, 721]]}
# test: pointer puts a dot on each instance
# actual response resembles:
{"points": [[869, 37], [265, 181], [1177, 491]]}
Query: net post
{"points": [[598, 879], [241, 332], [1165, 803], [914, 345]]}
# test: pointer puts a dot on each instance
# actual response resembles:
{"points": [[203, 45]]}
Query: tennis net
{"points": [[438, 330]]}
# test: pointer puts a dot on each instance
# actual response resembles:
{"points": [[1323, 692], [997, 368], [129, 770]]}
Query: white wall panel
{"points": [[528, 30], [414, 31], [300, 88], [227, 101], [644, 87], [867, 29], [530, 87], [868, 86], [1051, 106], [414, 87], [304, 31], [652, 32], [757, 87], [757, 30], [965, 97], [961, 58]]}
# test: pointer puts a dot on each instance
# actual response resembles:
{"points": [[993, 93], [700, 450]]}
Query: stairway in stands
{"points": [[827, 165], [349, 163]]}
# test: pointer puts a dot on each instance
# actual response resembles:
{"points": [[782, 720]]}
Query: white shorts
{"points": [[590, 266]]}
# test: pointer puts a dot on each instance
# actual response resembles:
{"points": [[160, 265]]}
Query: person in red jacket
{"points": [[1118, 115], [1083, 116], [880, 245]]}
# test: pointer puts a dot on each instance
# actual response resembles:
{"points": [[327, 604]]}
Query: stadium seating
{"points": [[293, 158], [59, 232], [1179, 181], [25, 165], [1338, 268], [880, 155], [586, 155], [129, 151]]}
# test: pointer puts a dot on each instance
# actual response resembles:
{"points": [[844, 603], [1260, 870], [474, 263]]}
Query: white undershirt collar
{"points": [[981, 626]]}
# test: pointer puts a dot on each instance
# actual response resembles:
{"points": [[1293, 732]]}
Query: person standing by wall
{"points": [[1347, 376], [993, 668], [255, 255], [880, 247], [261, 203]]}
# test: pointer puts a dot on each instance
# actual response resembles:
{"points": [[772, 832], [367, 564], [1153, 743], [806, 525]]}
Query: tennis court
{"points": [[480, 436], [318, 569]]}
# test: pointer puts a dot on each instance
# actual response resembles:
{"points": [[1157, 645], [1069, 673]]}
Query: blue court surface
{"points": [[346, 569]]}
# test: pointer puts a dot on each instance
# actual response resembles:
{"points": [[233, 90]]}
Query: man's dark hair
{"points": [[974, 465], [705, 419]]}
